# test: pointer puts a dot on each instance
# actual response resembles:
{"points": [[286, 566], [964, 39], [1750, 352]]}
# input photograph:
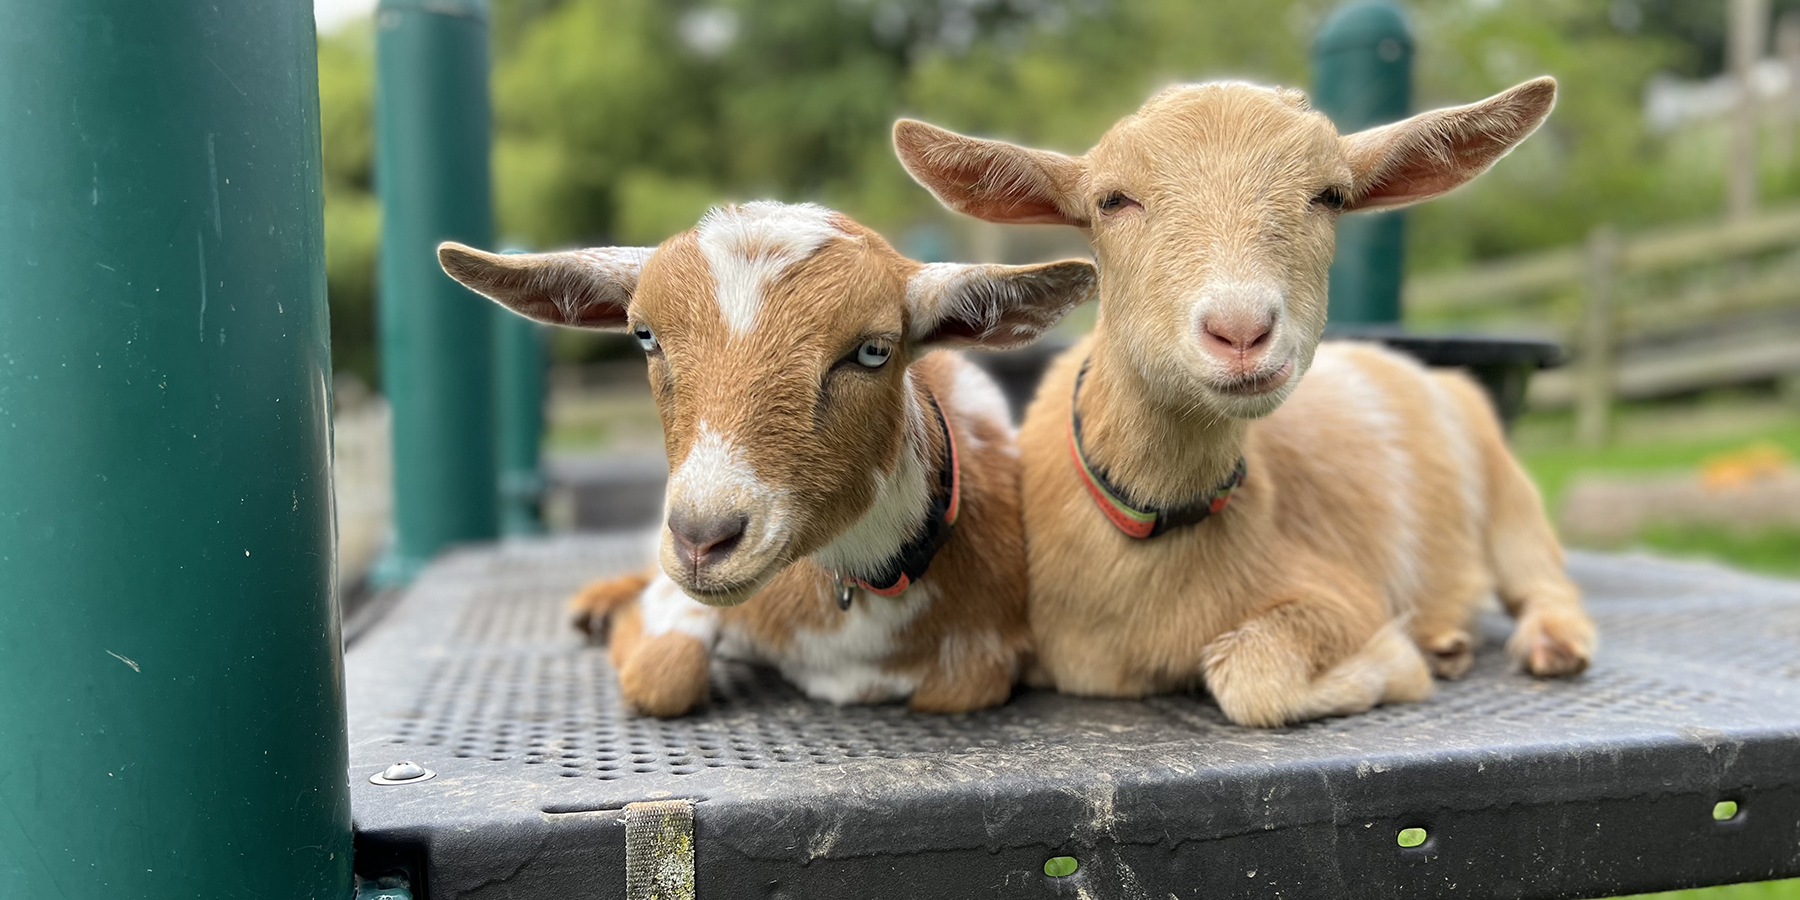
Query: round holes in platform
{"points": [[557, 705], [1060, 866], [1412, 837]]}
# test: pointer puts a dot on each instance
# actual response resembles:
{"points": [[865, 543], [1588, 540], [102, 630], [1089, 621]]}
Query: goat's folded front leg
{"points": [[660, 640], [1306, 659], [592, 608], [983, 677]]}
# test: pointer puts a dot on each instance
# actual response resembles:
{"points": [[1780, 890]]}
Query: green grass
{"points": [[1650, 439], [1763, 890], [1672, 438], [1775, 551]]}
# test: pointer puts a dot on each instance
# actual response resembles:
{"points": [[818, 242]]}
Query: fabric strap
{"points": [[659, 850]]}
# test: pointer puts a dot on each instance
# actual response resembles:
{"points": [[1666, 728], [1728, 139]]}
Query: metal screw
{"points": [[402, 773]]}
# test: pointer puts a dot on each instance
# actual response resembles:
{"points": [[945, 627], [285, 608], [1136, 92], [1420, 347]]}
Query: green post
{"points": [[1362, 77], [171, 684], [520, 379], [437, 338]]}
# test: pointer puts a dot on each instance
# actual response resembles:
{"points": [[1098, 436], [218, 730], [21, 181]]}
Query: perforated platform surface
{"points": [[1604, 784]]}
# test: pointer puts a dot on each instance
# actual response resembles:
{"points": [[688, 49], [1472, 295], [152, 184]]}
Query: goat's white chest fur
{"points": [[844, 664]]}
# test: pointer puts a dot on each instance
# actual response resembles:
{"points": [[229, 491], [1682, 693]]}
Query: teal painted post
{"points": [[171, 684], [1362, 77], [437, 338], [520, 379]]}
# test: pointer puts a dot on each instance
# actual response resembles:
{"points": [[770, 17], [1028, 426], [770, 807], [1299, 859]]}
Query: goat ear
{"points": [[994, 307], [1432, 153], [992, 180], [579, 288]]}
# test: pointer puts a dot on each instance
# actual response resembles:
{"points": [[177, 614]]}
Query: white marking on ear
{"points": [[939, 291], [580, 288], [748, 247], [666, 608], [902, 498], [716, 480], [994, 306], [846, 665]]}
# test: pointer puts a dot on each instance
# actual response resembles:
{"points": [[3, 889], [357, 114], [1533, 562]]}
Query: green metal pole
{"points": [[171, 684], [437, 338], [520, 380], [1362, 77]]}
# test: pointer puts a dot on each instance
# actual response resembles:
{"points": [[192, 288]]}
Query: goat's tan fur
{"points": [[1381, 500], [828, 462]]}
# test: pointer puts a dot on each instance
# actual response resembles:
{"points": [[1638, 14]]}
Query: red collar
{"points": [[1142, 521]]}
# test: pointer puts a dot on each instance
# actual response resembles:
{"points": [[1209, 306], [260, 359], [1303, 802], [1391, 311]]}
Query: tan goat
{"points": [[821, 456], [1378, 501]]}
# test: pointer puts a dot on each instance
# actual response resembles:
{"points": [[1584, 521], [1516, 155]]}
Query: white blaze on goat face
{"points": [[716, 479], [778, 340], [750, 247]]}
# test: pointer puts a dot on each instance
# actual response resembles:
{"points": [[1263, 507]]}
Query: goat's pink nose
{"points": [[702, 541], [1236, 334]]}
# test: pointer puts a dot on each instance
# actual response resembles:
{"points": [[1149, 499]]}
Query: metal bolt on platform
{"points": [[402, 773]]}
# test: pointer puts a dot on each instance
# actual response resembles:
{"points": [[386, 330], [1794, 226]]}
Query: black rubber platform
{"points": [[1601, 785]]}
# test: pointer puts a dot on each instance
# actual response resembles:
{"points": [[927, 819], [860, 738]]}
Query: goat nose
{"points": [[703, 541], [1235, 334]]}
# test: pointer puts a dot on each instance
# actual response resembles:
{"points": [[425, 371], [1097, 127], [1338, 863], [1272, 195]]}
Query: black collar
{"points": [[1141, 520], [908, 565]]}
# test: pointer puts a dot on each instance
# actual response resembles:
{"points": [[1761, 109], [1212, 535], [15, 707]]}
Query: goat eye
{"points": [[873, 354], [645, 338], [1331, 198], [1115, 201]]}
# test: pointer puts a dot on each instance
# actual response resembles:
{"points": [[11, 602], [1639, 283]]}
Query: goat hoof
{"points": [[1450, 655], [1553, 645]]}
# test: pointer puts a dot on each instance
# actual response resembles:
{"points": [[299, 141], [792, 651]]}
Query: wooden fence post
{"points": [[1599, 335]]}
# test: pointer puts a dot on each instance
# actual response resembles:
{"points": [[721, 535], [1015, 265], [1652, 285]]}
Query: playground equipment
{"points": [[172, 698], [437, 340], [1362, 77], [544, 786], [171, 713], [520, 369], [466, 385]]}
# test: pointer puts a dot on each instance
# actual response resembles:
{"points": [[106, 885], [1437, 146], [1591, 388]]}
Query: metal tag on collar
{"points": [[846, 592]]}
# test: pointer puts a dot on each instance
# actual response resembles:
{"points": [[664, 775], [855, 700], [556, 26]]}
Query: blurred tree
{"points": [[622, 120], [352, 218]]}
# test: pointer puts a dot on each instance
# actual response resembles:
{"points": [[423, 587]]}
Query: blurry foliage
{"points": [[621, 120], [352, 218]]}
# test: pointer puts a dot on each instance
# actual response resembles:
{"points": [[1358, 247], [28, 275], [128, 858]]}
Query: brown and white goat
{"points": [[1370, 502], [821, 456]]}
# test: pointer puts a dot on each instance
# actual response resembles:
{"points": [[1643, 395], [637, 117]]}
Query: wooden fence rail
{"points": [[1632, 289]]}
